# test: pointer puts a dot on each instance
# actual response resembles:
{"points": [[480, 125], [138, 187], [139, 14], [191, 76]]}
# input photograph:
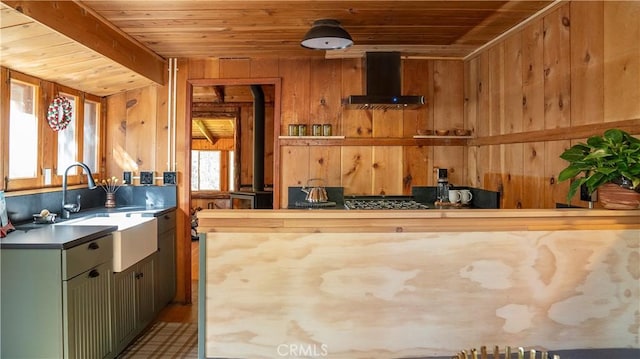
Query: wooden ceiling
{"points": [[90, 44]]}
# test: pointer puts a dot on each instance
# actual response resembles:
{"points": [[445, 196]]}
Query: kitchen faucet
{"points": [[67, 208]]}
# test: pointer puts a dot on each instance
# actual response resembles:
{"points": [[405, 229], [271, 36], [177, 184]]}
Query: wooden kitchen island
{"points": [[399, 284]]}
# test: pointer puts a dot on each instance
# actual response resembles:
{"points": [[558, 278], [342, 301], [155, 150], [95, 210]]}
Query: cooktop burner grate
{"points": [[383, 204]]}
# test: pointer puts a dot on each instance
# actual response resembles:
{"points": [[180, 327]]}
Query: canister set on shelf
{"points": [[316, 130]]}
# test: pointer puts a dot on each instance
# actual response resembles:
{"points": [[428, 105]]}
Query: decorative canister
{"points": [[302, 130], [326, 129], [293, 130], [316, 130]]}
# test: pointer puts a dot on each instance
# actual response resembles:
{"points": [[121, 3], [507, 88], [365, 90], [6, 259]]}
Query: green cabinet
{"points": [[55, 303], [133, 301], [166, 263]]}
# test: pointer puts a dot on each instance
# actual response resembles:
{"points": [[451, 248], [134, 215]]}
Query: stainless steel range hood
{"points": [[384, 85]]}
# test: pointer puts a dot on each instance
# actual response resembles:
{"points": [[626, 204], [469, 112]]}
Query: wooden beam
{"points": [[82, 25], [201, 126]]}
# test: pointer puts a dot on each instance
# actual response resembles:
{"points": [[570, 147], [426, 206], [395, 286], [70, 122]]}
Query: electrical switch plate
{"points": [[169, 178], [146, 178], [126, 177]]}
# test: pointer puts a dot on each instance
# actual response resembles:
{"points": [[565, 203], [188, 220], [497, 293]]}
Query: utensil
{"points": [[315, 194]]}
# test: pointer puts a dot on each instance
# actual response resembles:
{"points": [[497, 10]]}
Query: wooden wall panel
{"points": [[203, 68], [533, 175], [580, 65], [294, 162], [587, 65], [483, 91], [324, 92], [295, 76], [513, 89], [387, 123], [162, 130], [387, 170], [357, 167], [324, 163], [141, 121], [264, 67], [415, 81], [496, 89], [533, 77], [453, 159], [448, 94], [418, 167], [235, 68], [354, 123], [557, 68], [555, 192], [513, 175], [622, 60]]}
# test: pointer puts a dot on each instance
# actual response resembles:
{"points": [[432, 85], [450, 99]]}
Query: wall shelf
{"points": [[373, 141]]}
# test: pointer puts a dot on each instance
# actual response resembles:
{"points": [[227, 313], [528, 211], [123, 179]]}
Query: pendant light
{"points": [[326, 34]]}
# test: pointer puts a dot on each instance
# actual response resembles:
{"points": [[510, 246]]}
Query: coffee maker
{"points": [[442, 193]]}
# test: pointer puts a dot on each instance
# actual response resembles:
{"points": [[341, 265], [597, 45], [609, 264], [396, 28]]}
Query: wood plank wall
{"points": [[571, 73]]}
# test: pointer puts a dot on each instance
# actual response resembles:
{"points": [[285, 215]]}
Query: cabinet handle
{"points": [[167, 217], [94, 273], [139, 275], [93, 245]]}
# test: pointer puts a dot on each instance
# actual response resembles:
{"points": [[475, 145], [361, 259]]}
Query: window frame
{"points": [[47, 138]]}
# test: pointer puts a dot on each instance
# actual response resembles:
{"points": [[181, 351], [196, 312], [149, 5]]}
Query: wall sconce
{"points": [[326, 34]]}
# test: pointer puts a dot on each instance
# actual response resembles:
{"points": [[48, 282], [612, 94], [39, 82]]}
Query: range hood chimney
{"points": [[384, 85]]}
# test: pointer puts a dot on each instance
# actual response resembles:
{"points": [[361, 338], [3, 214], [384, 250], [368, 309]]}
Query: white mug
{"points": [[465, 196], [454, 196]]}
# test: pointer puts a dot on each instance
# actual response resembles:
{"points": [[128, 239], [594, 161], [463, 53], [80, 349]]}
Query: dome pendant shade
{"points": [[326, 34]]}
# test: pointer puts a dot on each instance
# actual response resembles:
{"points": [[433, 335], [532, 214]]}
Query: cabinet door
{"points": [[87, 314], [124, 307], [145, 290], [165, 269]]}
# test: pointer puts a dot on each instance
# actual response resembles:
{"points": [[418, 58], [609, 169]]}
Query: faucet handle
{"points": [[77, 205]]}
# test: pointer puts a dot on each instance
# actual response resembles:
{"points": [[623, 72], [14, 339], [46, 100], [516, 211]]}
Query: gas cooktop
{"points": [[383, 203]]}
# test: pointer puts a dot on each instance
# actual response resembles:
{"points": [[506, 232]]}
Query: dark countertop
{"points": [[48, 236]]}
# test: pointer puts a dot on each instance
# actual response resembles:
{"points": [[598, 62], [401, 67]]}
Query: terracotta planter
{"points": [[612, 196]]}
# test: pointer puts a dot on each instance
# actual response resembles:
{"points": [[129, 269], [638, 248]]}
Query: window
{"points": [[23, 131], [90, 137], [212, 170], [67, 144], [33, 155]]}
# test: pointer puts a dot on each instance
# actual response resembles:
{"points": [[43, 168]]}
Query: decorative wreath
{"points": [[60, 113]]}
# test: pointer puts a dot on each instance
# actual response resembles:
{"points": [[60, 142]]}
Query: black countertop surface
{"points": [[49, 236]]}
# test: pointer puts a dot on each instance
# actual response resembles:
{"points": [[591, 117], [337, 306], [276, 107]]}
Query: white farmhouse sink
{"points": [[135, 239]]}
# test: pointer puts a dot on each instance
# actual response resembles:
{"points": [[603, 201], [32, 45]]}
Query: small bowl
{"points": [[425, 132], [442, 132], [462, 132]]}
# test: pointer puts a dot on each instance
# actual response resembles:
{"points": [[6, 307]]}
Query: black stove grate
{"points": [[383, 204]]}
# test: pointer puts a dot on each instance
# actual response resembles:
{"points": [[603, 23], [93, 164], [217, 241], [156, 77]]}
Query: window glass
{"points": [[90, 135], [23, 131], [67, 147], [205, 170]]}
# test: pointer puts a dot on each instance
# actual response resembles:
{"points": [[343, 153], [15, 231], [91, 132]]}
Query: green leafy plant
{"points": [[613, 157]]}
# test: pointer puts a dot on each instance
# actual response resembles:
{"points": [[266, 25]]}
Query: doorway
{"points": [[219, 158]]}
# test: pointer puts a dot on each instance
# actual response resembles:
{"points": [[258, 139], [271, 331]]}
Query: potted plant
{"points": [[610, 162]]}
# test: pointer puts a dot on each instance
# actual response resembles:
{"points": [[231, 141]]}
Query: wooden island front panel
{"points": [[392, 284]]}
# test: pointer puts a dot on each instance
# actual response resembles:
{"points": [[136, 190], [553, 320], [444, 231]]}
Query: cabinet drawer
{"points": [[166, 221], [86, 256]]}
